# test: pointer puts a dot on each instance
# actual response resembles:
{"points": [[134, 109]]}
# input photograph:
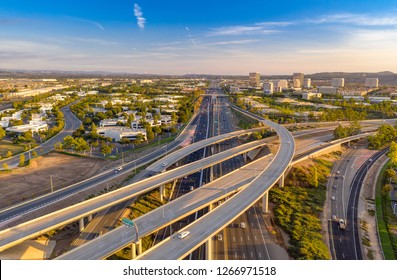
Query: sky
{"points": [[199, 37]]}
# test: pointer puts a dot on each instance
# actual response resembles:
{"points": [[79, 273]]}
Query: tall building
{"points": [[338, 82], [299, 76], [281, 84], [255, 79], [297, 83], [268, 87], [372, 82], [307, 83]]}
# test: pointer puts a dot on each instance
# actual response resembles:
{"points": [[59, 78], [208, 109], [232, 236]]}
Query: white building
{"points": [[111, 122], [297, 83], [372, 82], [34, 126], [307, 83], [119, 132], [281, 84], [310, 95], [328, 89], [268, 87], [4, 123], [338, 82]]}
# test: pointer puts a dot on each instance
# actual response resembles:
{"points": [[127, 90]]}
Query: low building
{"points": [[328, 90], [116, 133], [34, 126], [354, 97], [311, 95], [111, 122], [4, 123]]}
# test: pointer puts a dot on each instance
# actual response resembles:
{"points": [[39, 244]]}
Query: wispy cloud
{"points": [[91, 41], [139, 16], [190, 36], [234, 42], [97, 24], [357, 19], [254, 29]]}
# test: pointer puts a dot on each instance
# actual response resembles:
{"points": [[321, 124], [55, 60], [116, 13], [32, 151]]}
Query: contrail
{"points": [[139, 16], [190, 36]]}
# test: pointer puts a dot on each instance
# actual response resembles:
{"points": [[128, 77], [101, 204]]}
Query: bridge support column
{"points": [[211, 173], [265, 202], [89, 217], [139, 243], [133, 250], [348, 144], [281, 181], [245, 157], [162, 191], [208, 251], [81, 224]]}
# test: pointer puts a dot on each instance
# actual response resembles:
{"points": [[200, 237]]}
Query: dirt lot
{"points": [[32, 181]]}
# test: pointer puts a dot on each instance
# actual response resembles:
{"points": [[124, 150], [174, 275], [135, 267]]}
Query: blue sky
{"points": [[215, 37]]}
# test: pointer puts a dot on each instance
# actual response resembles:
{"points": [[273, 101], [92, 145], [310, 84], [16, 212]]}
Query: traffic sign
{"points": [[127, 222]]}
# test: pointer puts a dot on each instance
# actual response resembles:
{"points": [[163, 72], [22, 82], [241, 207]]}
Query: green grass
{"points": [[383, 217], [6, 146]]}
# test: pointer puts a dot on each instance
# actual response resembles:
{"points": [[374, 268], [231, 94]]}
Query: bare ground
{"points": [[35, 180]]}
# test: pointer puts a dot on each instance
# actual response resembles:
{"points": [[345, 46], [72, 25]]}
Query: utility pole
{"points": [[52, 186]]}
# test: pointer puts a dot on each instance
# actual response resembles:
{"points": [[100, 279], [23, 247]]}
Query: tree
{"points": [[5, 166], [149, 133], [81, 145], [106, 149], [21, 160], [34, 154], [386, 189], [2, 133], [340, 132], [69, 142], [9, 154], [58, 146], [393, 154]]}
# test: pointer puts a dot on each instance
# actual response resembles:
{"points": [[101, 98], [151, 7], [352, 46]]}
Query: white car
{"points": [[164, 164], [333, 197], [183, 234], [333, 217]]}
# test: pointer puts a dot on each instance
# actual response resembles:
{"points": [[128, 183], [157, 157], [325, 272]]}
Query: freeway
{"points": [[214, 221], [162, 216], [14, 235]]}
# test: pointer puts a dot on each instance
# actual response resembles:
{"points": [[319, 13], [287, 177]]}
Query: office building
{"points": [[299, 76], [268, 88], [372, 82], [297, 83], [281, 84], [307, 83], [338, 82], [328, 89], [255, 79]]}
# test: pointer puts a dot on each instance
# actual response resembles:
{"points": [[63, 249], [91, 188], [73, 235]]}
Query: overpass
{"points": [[10, 237]]}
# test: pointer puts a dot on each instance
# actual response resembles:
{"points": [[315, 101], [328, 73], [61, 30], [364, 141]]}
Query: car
{"points": [[333, 197], [164, 164], [183, 234], [191, 188], [338, 172], [333, 217], [334, 186], [220, 238], [342, 224], [242, 225], [119, 168]]}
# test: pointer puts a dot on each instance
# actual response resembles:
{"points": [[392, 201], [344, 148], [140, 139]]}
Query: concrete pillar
{"points": [[139, 243], [281, 181], [210, 207], [208, 251], [161, 190], [348, 144], [81, 224], [245, 157], [265, 202], [89, 217], [211, 173], [133, 251]]}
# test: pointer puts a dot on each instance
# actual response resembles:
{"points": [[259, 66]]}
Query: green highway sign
{"points": [[127, 222]]}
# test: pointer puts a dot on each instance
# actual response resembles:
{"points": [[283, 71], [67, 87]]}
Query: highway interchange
{"points": [[214, 115]]}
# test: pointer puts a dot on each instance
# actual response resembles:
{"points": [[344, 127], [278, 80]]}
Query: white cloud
{"points": [[235, 42], [357, 19], [240, 30], [139, 16], [97, 24]]}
